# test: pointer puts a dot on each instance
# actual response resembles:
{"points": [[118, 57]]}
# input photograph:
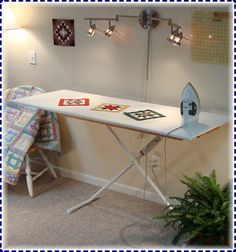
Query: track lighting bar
{"points": [[116, 18], [100, 19], [126, 16]]}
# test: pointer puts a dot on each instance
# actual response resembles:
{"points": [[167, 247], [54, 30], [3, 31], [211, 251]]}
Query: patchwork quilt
{"points": [[24, 126]]}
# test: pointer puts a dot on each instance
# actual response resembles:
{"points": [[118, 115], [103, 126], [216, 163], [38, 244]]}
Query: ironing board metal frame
{"points": [[134, 162]]}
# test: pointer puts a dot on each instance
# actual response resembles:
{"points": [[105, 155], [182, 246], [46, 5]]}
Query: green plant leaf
{"points": [[204, 209]]}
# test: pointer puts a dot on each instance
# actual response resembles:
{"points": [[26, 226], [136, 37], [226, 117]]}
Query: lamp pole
{"points": [[148, 19]]}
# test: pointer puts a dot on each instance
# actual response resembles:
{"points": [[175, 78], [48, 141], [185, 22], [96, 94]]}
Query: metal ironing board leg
{"points": [[106, 186], [144, 152], [134, 161], [96, 195]]}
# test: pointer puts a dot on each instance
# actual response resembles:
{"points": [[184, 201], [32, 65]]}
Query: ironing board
{"points": [[168, 126]]}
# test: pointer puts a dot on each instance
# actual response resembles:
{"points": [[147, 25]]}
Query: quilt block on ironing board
{"points": [[74, 102], [110, 107], [141, 115]]}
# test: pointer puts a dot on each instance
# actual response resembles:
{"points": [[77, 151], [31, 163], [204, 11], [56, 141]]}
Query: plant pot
{"points": [[202, 240]]}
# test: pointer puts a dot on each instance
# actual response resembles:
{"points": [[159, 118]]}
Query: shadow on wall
{"points": [[67, 143], [211, 151]]}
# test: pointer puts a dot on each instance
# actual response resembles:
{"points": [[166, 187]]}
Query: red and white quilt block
{"points": [[74, 102]]}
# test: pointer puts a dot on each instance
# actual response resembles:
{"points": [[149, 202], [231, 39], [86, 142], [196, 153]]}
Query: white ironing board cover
{"points": [[160, 126]]}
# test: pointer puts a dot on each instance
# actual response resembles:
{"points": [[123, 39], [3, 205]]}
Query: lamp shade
{"points": [[9, 19]]}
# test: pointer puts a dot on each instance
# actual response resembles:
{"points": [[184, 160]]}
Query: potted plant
{"points": [[203, 213]]}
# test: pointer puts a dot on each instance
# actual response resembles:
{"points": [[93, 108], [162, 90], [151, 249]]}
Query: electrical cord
{"points": [[145, 185], [165, 170], [145, 100], [165, 158], [147, 65]]}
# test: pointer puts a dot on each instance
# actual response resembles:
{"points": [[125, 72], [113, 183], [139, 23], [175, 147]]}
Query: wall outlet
{"points": [[155, 161]]}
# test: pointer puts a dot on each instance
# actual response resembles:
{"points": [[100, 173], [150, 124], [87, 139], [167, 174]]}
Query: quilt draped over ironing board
{"points": [[24, 126]]}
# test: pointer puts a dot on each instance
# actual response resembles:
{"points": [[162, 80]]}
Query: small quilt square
{"points": [[74, 102], [13, 160], [46, 133], [23, 142], [141, 115], [24, 119], [10, 135], [32, 126], [63, 32], [110, 107], [11, 114]]}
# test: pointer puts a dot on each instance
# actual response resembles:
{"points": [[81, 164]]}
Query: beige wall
{"points": [[115, 66]]}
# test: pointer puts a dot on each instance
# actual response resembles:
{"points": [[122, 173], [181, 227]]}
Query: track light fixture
{"points": [[176, 36], [92, 29], [109, 30], [148, 19]]}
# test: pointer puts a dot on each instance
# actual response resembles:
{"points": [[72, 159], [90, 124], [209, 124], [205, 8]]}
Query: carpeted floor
{"points": [[114, 221]]}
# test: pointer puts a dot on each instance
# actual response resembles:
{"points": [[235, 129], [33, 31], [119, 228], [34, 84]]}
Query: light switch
{"points": [[32, 58]]}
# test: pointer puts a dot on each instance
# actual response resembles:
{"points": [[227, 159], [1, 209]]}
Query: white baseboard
{"points": [[115, 187]]}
